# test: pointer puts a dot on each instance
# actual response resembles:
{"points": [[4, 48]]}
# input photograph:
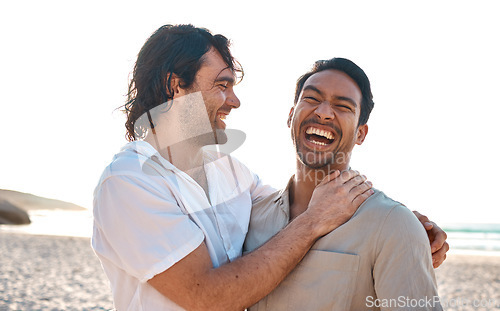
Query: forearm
{"points": [[250, 278], [243, 282], [194, 284], [260, 271]]}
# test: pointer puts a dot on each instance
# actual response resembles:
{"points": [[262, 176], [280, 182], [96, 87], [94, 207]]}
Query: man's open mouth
{"points": [[221, 117], [319, 136]]}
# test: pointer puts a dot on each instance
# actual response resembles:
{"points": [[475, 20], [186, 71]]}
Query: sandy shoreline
{"points": [[62, 273], [50, 273]]}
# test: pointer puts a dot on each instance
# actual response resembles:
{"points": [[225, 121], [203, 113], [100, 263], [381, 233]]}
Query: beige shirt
{"points": [[379, 260]]}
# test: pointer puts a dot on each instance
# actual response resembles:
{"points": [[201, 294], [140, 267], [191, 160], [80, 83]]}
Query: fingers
{"points": [[418, 215], [350, 185], [424, 220], [359, 199], [355, 180], [347, 176], [439, 257], [437, 238], [338, 196], [341, 178], [358, 185], [333, 175], [360, 188]]}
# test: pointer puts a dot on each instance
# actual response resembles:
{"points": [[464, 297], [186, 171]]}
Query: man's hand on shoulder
{"points": [[337, 198], [194, 284], [437, 238]]}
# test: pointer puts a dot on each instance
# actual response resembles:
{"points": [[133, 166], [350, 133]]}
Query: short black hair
{"points": [[352, 70], [171, 49]]}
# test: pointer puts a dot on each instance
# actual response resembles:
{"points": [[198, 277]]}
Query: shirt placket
{"points": [[220, 220]]}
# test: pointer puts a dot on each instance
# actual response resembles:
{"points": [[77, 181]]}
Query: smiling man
{"points": [[170, 218], [380, 259]]}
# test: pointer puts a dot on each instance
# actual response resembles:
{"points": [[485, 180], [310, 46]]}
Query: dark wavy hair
{"points": [[352, 70], [172, 49]]}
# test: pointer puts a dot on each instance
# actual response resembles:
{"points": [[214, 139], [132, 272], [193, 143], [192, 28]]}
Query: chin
{"points": [[221, 137], [316, 160], [316, 165]]}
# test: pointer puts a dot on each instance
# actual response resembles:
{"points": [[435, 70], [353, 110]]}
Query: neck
{"points": [[186, 157], [305, 181]]}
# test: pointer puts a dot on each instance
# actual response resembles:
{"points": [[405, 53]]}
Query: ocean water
{"points": [[473, 237], [462, 237]]}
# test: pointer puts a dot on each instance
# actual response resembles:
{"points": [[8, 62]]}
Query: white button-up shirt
{"points": [[148, 215]]}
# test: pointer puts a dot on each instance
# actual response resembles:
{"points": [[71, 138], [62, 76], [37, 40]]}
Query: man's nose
{"points": [[324, 111], [233, 100]]}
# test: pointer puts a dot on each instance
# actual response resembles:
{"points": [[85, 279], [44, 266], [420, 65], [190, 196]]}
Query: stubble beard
{"points": [[317, 165], [314, 159]]}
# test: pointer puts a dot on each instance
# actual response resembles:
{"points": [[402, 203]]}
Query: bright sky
{"points": [[434, 68]]}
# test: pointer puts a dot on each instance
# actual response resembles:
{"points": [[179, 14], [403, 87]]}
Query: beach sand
{"points": [[62, 273], [468, 282], [50, 273]]}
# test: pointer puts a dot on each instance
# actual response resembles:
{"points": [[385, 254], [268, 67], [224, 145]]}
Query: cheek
{"points": [[300, 115], [349, 136], [295, 124], [213, 101]]}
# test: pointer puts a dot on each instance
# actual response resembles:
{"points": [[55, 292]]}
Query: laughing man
{"points": [[380, 258]]}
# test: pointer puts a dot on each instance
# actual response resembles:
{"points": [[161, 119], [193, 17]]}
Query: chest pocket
{"points": [[322, 281]]}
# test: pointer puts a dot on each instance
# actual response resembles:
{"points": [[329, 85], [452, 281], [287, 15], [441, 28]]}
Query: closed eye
{"points": [[223, 85], [345, 107], [313, 99]]}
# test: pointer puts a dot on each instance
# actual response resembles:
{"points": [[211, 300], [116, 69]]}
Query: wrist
{"points": [[311, 227], [322, 225]]}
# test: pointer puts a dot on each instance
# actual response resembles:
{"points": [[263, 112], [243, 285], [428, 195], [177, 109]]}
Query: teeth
{"points": [[316, 131], [222, 117], [318, 143]]}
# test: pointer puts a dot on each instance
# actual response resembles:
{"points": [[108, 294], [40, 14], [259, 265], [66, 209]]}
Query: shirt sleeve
{"points": [[139, 228], [266, 220], [403, 271], [259, 190]]}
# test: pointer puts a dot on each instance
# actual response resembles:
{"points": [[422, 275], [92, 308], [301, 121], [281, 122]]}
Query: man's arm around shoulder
{"points": [[194, 284]]}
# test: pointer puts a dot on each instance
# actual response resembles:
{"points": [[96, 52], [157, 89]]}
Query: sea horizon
{"points": [[464, 238]]}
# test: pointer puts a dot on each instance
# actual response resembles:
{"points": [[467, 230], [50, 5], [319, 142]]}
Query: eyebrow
{"points": [[312, 88], [229, 79], [342, 98], [347, 99]]}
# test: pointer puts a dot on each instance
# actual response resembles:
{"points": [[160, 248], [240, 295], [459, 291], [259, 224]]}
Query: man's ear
{"points": [[290, 115], [174, 81], [361, 135]]}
